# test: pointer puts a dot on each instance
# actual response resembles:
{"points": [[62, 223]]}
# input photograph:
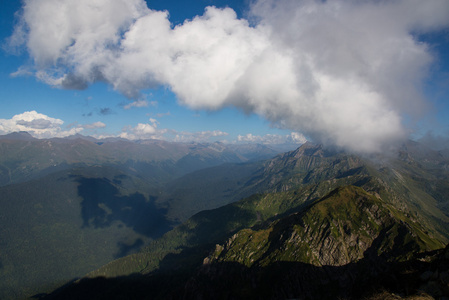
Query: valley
{"points": [[158, 220], [72, 205]]}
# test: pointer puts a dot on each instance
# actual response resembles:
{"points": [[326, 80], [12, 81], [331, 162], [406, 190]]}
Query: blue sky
{"points": [[360, 76], [100, 103]]}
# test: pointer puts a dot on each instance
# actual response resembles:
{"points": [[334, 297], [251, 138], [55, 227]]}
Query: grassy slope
{"points": [[44, 238], [206, 227], [317, 173], [263, 249], [211, 227], [345, 223]]}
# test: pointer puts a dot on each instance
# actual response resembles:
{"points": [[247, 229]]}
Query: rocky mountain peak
{"points": [[341, 228]]}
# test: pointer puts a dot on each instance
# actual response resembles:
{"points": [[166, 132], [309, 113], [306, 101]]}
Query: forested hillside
{"points": [[329, 225], [71, 205]]}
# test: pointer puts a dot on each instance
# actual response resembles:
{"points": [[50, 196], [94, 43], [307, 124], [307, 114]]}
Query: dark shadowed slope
{"points": [[411, 183], [54, 230], [386, 212], [339, 245]]}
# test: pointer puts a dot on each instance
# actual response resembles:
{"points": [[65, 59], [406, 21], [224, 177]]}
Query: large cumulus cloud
{"points": [[341, 72]]}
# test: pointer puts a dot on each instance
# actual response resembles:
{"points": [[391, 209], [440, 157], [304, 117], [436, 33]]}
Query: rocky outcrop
{"points": [[336, 246], [334, 231]]}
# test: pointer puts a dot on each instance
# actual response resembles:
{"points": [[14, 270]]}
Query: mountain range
{"points": [[159, 220], [71, 204]]}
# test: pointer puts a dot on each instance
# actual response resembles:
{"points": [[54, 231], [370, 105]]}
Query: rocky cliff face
{"points": [[334, 231], [333, 225], [320, 252], [309, 164]]}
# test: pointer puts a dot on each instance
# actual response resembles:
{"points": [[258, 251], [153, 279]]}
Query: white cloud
{"points": [[160, 115], [137, 103], [22, 71], [341, 72], [297, 137], [42, 126], [38, 125], [94, 125], [141, 102], [151, 131], [72, 30], [142, 131], [153, 121]]}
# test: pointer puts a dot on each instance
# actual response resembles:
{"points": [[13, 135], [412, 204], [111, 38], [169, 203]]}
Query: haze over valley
{"points": [[224, 149], [72, 205]]}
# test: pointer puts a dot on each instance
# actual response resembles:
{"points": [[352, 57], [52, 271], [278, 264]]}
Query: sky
{"points": [[361, 75]]}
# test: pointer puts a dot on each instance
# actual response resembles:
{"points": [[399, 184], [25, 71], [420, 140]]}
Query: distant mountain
{"points": [[61, 196], [254, 152], [329, 225], [347, 244], [21, 136], [93, 201], [82, 137], [23, 157]]}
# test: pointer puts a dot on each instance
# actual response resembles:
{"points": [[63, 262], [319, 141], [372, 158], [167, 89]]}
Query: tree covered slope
{"points": [[335, 246], [71, 205], [327, 216], [312, 213]]}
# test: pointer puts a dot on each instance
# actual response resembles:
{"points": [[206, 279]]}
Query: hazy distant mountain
{"points": [[71, 205], [61, 196], [21, 135], [332, 225], [23, 157], [82, 137]]}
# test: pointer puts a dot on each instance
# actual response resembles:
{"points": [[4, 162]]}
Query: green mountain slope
{"points": [[326, 209], [62, 225], [327, 247], [415, 179], [335, 230], [347, 228], [71, 205], [299, 192], [211, 227]]}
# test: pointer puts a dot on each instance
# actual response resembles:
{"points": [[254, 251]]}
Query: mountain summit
{"points": [[323, 224], [18, 136]]}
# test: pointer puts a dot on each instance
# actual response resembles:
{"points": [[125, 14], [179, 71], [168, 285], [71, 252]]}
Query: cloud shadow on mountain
{"points": [[102, 205]]}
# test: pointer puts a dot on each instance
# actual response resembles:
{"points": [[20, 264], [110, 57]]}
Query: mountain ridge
{"points": [[245, 264], [213, 204], [401, 219], [23, 157]]}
